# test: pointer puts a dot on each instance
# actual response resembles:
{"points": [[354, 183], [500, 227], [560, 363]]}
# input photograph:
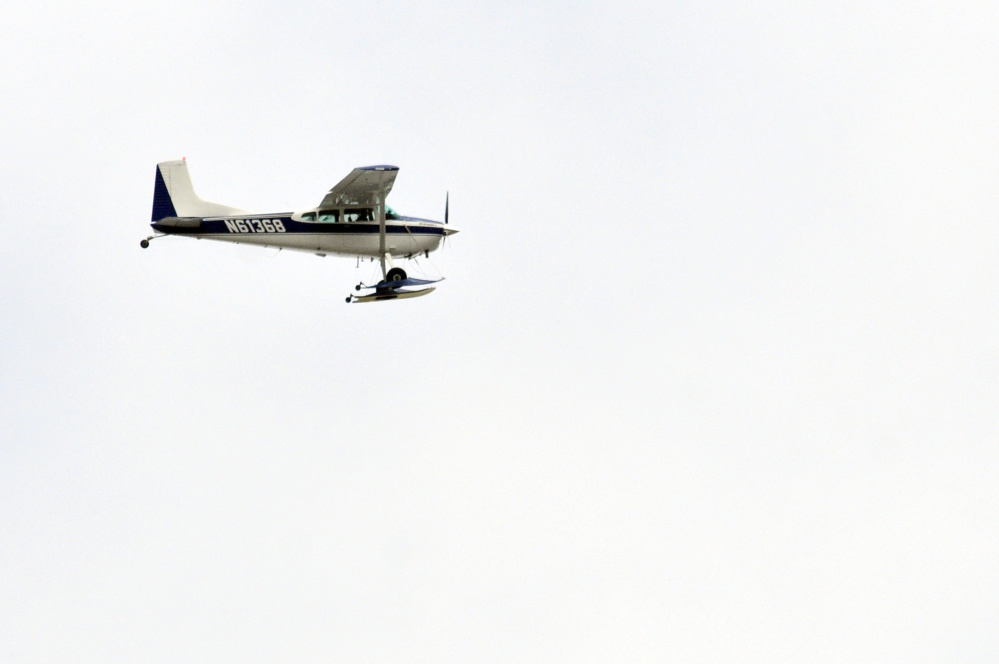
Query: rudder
{"points": [[162, 203]]}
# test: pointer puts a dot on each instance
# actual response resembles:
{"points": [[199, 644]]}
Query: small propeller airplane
{"points": [[352, 220]]}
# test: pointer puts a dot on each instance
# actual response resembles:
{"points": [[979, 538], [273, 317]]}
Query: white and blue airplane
{"points": [[352, 220]]}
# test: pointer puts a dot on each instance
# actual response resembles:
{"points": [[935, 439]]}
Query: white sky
{"points": [[714, 375]]}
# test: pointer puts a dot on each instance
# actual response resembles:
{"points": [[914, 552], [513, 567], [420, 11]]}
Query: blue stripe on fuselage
{"points": [[218, 226]]}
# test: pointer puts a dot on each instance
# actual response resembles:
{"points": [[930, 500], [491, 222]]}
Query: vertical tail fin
{"points": [[173, 195], [162, 203]]}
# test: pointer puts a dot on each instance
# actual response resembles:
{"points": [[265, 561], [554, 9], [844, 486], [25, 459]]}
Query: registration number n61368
{"points": [[254, 225]]}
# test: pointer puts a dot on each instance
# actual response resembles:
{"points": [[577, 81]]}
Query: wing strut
{"points": [[381, 230]]}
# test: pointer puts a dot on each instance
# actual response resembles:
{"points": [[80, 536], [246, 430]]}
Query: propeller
{"points": [[447, 201]]}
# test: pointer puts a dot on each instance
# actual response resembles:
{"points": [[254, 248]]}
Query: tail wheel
{"points": [[395, 274]]}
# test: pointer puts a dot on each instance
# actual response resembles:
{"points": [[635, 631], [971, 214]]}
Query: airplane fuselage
{"points": [[404, 236]]}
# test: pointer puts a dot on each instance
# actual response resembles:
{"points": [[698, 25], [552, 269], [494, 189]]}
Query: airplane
{"points": [[352, 220]]}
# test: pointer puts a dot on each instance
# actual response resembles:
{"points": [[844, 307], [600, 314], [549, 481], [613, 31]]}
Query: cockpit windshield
{"points": [[390, 213]]}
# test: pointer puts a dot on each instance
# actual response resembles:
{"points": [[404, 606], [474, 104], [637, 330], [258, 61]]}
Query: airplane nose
{"points": [[450, 230]]}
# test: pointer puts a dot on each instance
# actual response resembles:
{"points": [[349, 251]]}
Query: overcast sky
{"points": [[714, 375]]}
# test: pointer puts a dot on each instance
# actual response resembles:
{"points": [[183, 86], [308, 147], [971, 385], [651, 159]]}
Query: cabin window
{"points": [[308, 216], [329, 216], [390, 213], [359, 214]]}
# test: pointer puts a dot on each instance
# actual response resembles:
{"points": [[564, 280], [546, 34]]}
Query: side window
{"points": [[359, 214], [309, 216], [329, 216]]}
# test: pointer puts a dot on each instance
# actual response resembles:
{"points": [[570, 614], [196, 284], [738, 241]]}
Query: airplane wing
{"points": [[362, 187]]}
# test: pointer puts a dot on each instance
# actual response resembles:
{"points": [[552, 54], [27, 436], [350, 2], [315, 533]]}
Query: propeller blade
{"points": [[447, 201]]}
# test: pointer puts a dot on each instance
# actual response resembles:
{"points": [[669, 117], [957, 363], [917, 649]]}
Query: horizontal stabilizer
{"points": [[180, 222]]}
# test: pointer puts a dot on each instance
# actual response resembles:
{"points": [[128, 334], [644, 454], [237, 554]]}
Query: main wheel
{"points": [[395, 274]]}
